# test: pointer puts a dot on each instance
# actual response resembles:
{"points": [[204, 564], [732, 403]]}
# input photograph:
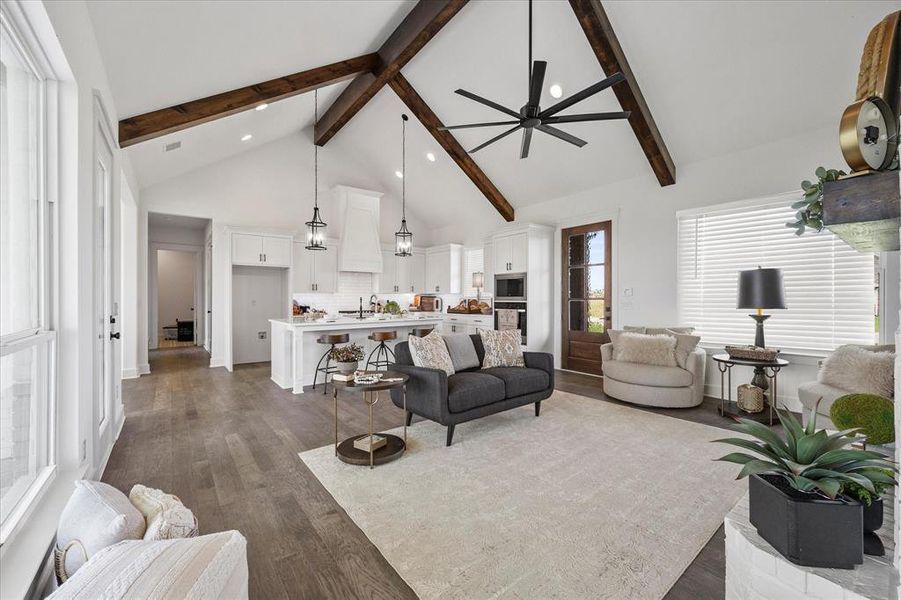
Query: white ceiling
{"points": [[718, 77], [163, 220]]}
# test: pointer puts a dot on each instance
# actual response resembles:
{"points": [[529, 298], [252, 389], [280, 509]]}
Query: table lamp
{"points": [[478, 282], [760, 289]]}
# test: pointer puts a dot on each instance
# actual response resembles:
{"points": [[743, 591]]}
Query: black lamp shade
{"points": [[761, 288]]}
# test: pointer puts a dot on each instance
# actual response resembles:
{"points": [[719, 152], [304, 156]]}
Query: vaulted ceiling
{"points": [[718, 77]]}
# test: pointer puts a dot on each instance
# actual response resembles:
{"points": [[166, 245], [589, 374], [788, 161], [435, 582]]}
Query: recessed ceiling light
{"points": [[430, 156], [247, 137], [556, 91], [262, 106], [398, 174]]}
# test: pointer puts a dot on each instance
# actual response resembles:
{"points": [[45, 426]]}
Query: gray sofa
{"points": [[472, 393]]}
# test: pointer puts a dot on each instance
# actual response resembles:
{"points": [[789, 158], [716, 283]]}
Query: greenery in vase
{"points": [[348, 353], [811, 461], [810, 208], [392, 307]]}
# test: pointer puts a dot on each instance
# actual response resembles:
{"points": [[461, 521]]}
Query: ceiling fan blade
{"points": [[537, 83], [494, 139], [526, 142], [560, 134], [605, 116], [495, 124], [587, 92], [487, 102]]}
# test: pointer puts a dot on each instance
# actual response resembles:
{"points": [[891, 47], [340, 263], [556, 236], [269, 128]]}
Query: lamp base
{"points": [[758, 334]]}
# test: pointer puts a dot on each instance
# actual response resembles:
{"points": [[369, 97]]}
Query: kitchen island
{"points": [[295, 351]]}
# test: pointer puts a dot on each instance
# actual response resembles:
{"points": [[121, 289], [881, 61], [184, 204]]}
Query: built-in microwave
{"points": [[510, 287]]}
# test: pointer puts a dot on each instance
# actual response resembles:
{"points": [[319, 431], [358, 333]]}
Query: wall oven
{"points": [[510, 287], [511, 315]]}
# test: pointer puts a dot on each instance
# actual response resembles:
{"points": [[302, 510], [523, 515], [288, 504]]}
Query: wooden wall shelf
{"points": [[865, 210]]}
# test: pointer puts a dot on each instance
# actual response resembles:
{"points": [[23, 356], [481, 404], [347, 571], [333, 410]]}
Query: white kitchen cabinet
{"points": [[403, 266], [510, 253], [261, 250], [466, 324], [314, 270], [443, 269], [388, 277], [417, 272]]}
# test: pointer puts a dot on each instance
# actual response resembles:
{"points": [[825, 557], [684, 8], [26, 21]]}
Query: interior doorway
{"points": [[586, 284]]}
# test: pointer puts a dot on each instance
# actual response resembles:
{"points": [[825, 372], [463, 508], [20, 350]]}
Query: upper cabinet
{"points": [[510, 253], [443, 269], [315, 270], [402, 274], [417, 271], [261, 250]]}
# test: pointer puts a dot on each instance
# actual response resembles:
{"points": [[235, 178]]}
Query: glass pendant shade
{"points": [[403, 241], [315, 232]]}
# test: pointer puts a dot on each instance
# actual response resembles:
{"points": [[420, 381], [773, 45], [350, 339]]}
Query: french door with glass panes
{"points": [[586, 286]]}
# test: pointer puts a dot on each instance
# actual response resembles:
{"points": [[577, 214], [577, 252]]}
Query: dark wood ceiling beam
{"points": [[148, 126], [418, 107], [419, 26], [610, 55]]}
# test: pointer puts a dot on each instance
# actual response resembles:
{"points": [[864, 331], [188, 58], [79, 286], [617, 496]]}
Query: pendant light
{"points": [[403, 239], [315, 227]]}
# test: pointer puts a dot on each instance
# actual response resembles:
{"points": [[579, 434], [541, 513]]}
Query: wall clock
{"points": [[868, 133]]}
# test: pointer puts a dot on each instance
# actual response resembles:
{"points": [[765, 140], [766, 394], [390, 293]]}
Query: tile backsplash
{"points": [[351, 287]]}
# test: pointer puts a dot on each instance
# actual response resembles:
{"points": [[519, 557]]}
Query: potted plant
{"points": [[796, 481], [872, 511], [346, 357]]}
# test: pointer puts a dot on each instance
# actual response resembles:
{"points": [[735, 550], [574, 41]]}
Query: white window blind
{"points": [[473, 262], [829, 287]]}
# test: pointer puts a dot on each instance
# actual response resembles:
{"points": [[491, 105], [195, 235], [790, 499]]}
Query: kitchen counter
{"points": [[295, 351]]}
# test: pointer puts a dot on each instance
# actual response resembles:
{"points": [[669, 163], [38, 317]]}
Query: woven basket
{"points": [[752, 353]]}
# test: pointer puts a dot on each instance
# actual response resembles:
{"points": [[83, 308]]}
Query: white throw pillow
{"points": [[151, 501], [502, 348], [175, 522], [685, 345], [431, 352], [645, 349], [97, 515], [860, 371]]}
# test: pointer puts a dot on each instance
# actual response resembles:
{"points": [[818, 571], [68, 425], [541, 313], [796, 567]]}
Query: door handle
{"points": [[114, 336], [264, 258]]}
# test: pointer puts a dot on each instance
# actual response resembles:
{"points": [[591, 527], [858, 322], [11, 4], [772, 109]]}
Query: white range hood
{"points": [[361, 250]]}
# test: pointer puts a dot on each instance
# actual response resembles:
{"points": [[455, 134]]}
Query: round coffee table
{"points": [[371, 393]]}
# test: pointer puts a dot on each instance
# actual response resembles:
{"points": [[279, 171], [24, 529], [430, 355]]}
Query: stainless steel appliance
{"points": [[510, 287], [521, 314], [430, 303]]}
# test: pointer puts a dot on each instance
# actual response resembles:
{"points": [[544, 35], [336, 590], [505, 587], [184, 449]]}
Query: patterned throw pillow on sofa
{"points": [[431, 352], [502, 348]]}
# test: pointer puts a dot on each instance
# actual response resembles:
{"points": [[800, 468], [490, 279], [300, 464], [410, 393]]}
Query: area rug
{"points": [[589, 500]]}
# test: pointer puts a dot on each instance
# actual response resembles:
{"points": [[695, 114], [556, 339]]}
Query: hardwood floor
{"points": [[227, 444]]}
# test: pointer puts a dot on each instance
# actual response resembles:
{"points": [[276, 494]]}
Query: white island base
{"points": [[295, 351]]}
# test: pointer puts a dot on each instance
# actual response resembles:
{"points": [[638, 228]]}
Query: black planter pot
{"points": [[807, 529], [872, 516]]}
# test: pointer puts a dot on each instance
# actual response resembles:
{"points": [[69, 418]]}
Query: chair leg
{"points": [[328, 361], [371, 354], [409, 418], [316, 372], [537, 408], [450, 434]]}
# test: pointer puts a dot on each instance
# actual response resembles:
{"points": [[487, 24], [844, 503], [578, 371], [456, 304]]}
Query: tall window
{"points": [[26, 343], [473, 262], [828, 285]]}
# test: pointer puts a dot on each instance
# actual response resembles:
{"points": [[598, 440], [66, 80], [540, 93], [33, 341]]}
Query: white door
{"points": [[247, 249], [302, 270], [276, 251], [106, 327], [519, 252], [417, 272], [501, 251], [326, 270]]}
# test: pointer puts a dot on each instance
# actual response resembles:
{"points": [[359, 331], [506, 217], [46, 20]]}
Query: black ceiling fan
{"points": [[531, 117]]}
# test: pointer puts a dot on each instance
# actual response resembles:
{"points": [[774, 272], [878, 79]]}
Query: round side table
{"points": [[769, 369], [371, 393]]}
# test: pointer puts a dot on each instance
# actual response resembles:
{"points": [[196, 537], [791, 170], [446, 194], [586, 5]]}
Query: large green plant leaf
{"points": [[756, 466], [751, 445], [767, 435], [810, 446], [737, 458], [840, 457]]}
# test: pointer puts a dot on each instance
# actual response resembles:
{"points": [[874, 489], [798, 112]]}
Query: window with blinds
{"points": [[829, 287], [473, 262]]}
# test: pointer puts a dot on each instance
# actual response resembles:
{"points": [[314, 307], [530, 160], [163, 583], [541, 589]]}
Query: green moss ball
{"points": [[874, 414]]}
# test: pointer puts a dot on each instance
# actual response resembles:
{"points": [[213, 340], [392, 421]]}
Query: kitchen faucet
{"points": [[373, 303]]}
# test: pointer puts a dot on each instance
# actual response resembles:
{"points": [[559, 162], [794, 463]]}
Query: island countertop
{"points": [[352, 323]]}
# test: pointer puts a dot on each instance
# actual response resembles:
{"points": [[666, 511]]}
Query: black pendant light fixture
{"points": [[316, 226], [403, 239]]}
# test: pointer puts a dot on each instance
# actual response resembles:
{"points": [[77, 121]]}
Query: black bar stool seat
{"points": [[332, 339], [381, 352]]}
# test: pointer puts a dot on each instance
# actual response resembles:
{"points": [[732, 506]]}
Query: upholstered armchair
{"points": [[654, 385]]}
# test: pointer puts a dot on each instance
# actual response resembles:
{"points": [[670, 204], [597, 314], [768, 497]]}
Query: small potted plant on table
{"points": [[796, 483], [347, 357]]}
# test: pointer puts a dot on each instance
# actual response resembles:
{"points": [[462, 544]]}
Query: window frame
{"points": [[15, 27], [466, 287]]}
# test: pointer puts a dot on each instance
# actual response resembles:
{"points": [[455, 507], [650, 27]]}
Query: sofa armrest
{"points": [[607, 351], [426, 392], [543, 361], [697, 362]]}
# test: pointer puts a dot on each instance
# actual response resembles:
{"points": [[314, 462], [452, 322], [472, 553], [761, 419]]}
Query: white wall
{"points": [[175, 287], [129, 308]]}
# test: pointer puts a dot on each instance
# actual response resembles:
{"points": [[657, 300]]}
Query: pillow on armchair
{"points": [[643, 348], [860, 370]]}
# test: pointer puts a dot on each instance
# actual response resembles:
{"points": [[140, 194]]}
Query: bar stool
{"points": [[381, 352], [332, 340], [422, 331]]}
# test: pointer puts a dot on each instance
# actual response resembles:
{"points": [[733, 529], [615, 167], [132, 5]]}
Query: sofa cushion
{"points": [[860, 370], [151, 501], [502, 348], [641, 374], [466, 391], [462, 352], [685, 345], [519, 381], [647, 349]]}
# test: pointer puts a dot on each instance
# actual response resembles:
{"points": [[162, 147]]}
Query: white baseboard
{"points": [[109, 451], [144, 369], [216, 362], [130, 373]]}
